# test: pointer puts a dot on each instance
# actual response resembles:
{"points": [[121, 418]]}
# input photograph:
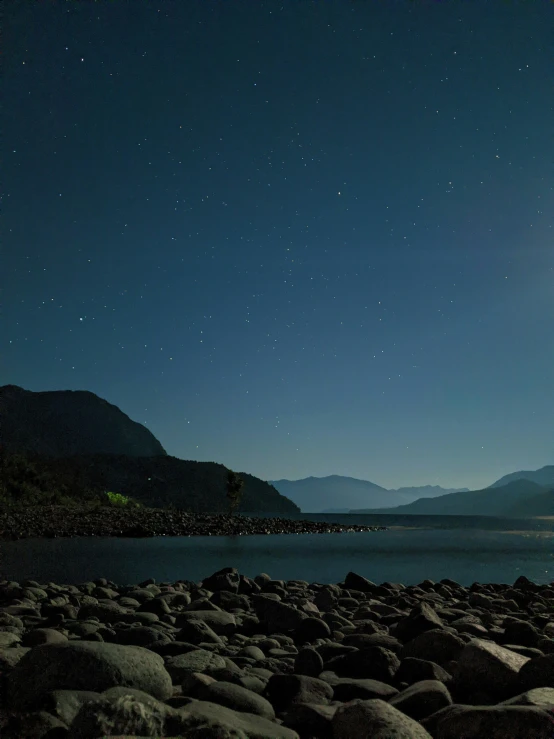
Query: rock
{"points": [[237, 698], [124, 711], [310, 719], [202, 719], [542, 697], [35, 725], [414, 670], [346, 689], [358, 582], [251, 651], [9, 657], [283, 690], [309, 662], [537, 673], [80, 665], [484, 663], [199, 660], [375, 719], [220, 622], [522, 633], [9, 639], [226, 579], [437, 645], [277, 616], [310, 629], [66, 704], [139, 636], [422, 699], [376, 663], [195, 630], [493, 722], [42, 636], [422, 618]]}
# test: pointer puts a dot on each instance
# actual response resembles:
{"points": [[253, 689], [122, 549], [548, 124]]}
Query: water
{"points": [[438, 548]]}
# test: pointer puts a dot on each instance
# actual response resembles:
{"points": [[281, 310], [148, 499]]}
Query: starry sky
{"points": [[295, 237]]}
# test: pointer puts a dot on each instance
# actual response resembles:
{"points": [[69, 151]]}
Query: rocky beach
{"points": [[65, 521], [232, 657]]}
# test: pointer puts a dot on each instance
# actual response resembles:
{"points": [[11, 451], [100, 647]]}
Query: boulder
{"points": [[237, 698], [485, 666], [80, 665], [375, 719]]}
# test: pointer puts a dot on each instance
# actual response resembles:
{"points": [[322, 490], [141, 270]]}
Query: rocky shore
{"points": [[233, 657], [60, 521]]}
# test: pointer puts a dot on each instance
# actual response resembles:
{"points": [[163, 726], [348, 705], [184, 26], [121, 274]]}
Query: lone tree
{"points": [[234, 486]]}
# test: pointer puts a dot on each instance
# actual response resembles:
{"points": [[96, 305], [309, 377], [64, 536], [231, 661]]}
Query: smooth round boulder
{"points": [[84, 665]]}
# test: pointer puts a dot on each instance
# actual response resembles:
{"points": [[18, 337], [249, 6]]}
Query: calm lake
{"points": [[464, 548]]}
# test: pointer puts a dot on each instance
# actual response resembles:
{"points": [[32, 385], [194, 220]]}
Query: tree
{"points": [[234, 486]]}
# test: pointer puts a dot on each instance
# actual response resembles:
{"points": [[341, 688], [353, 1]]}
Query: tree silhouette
{"points": [[234, 485]]}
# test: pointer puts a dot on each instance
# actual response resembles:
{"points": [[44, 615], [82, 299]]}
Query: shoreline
{"points": [[276, 659], [64, 522]]}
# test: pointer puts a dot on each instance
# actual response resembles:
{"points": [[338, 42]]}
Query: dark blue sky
{"points": [[298, 238]]}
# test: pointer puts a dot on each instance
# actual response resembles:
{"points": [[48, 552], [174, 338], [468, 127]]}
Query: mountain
{"points": [[430, 491], [544, 476], [541, 504], [71, 446], [325, 494], [157, 482], [523, 497], [61, 423]]}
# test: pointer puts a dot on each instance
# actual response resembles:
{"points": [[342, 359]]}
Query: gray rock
{"points": [[348, 688], [422, 618], [66, 704], [251, 651], [199, 660], [493, 722], [277, 616], [202, 719], [374, 662], [78, 665], [225, 579], [375, 719], [422, 699], [283, 690], [220, 622], [195, 630], [310, 629], [237, 698], [138, 636], [437, 645], [484, 663], [124, 711], [413, 670], [542, 697], [308, 661], [310, 719], [537, 673], [358, 582], [35, 725]]}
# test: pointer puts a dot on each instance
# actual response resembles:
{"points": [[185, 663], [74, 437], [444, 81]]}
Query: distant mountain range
{"points": [[514, 495], [66, 445], [338, 494], [519, 494]]}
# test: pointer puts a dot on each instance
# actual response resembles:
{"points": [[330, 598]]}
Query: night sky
{"points": [[297, 238]]}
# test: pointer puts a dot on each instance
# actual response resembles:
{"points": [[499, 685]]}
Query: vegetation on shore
{"points": [[155, 482]]}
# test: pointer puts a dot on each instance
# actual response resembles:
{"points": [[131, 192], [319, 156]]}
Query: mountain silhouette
{"points": [[63, 445], [517, 498], [339, 494]]}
